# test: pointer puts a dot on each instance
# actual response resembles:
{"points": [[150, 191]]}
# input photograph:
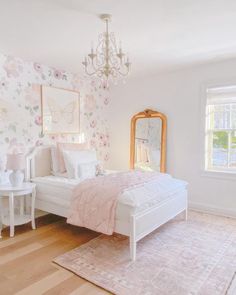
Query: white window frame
{"points": [[209, 133], [205, 171]]}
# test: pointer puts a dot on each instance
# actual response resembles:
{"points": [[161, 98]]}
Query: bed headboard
{"points": [[38, 162]]}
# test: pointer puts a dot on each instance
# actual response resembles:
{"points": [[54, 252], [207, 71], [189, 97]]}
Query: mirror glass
{"points": [[148, 144]]}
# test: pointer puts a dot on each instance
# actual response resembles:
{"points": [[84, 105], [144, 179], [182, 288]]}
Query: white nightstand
{"points": [[13, 219]]}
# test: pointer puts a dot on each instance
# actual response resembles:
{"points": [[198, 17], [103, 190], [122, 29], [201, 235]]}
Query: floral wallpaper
{"points": [[20, 107]]}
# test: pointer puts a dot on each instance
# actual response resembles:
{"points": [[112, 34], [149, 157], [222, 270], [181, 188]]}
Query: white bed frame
{"points": [[138, 226]]}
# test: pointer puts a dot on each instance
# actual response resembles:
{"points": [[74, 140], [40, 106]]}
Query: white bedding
{"points": [[58, 190]]}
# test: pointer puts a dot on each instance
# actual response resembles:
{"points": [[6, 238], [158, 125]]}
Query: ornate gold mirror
{"points": [[148, 141]]}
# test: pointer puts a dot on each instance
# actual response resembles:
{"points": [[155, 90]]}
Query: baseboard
{"points": [[39, 213], [212, 209]]}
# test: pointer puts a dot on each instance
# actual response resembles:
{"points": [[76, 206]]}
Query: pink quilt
{"points": [[94, 200]]}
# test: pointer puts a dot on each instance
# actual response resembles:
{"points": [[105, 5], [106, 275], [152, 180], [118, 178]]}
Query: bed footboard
{"points": [[147, 221]]}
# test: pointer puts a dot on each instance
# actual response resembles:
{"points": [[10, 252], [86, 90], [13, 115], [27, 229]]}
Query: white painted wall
{"points": [[178, 95]]}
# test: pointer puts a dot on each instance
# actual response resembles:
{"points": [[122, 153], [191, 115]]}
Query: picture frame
{"points": [[60, 110]]}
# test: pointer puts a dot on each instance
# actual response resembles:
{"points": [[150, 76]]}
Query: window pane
{"points": [[220, 148], [233, 116], [221, 116], [233, 106], [232, 163], [210, 117]]}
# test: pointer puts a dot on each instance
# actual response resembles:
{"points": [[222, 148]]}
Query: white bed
{"points": [[138, 212]]}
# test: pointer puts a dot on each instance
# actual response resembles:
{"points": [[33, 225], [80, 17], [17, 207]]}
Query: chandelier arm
{"points": [[119, 69], [126, 72], [88, 66], [115, 70], [95, 67], [92, 72], [100, 60], [115, 61]]}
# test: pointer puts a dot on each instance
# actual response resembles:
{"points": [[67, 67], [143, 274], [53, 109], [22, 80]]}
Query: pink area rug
{"points": [[232, 286], [180, 258]]}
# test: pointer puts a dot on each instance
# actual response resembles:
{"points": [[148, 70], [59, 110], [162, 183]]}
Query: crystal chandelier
{"points": [[107, 62]]}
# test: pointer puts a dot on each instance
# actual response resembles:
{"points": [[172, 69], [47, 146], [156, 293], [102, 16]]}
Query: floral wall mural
{"points": [[20, 107]]}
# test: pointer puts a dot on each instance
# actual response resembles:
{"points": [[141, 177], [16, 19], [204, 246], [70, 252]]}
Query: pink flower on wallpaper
{"points": [[58, 137], [16, 147], [104, 85], [53, 137], [12, 67], [3, 84], [106, 100], [38, 67], [103, 140], [93, 124], [93, 143], [106, 157], [32, 95], [38, 120], [38, 142], [76, 82], [101, 137], [90, 102], [57, 74], [104, 143]]}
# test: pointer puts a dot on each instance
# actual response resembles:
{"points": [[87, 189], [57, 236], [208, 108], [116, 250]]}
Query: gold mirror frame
{"points": [[149, 114]]}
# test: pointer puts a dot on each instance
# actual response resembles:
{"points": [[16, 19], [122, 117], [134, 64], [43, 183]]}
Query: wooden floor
{"points": [[26, 260]]}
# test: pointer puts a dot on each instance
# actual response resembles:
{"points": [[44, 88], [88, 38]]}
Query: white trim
{"points": [[224, 175], [203, 101], [39, 213], [206, 208]]}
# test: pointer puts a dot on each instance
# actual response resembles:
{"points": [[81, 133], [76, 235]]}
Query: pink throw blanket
{"points": [[94, 200]]}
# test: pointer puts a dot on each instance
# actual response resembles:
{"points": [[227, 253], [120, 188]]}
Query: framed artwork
{"points": [[60, 110]]}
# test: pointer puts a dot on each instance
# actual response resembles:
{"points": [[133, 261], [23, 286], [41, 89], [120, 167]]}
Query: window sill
{"points": [[229, 175]]}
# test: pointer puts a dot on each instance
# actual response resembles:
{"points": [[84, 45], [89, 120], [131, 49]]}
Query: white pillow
{"points": [[74, 158], [59, 174], [86, 170], [54, 160]]}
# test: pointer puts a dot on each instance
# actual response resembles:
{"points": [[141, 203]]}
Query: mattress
{"points": [[58, 191]]}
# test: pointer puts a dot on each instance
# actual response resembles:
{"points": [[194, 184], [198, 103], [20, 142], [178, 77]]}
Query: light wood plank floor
{"points": [[26, 260]]}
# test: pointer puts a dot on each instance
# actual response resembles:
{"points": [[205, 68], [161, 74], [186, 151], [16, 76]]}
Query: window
{"points": [[220, 148]]}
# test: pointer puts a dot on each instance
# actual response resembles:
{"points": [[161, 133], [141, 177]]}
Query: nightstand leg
{"points": [[1, 216], [22, 205], [11, 209], [33, 209]]}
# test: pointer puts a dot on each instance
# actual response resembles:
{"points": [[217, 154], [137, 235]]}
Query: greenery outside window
{"points": [[220, 148]]}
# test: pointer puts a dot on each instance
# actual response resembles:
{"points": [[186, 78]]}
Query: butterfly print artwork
{"points": [[60, 108]]}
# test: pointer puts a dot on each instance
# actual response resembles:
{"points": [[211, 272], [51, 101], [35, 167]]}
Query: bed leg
{"points": [[186, 214], [132, 239], [132, 250]]}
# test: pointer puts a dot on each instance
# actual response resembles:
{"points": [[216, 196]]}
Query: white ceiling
{"points": [[157, 34]]}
